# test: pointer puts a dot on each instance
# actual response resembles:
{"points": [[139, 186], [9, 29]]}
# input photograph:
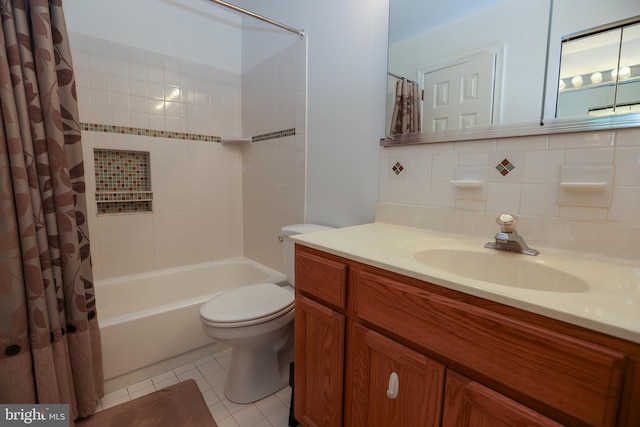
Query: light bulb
{"points": [[625, 73], [576, 81], [561, 84], [596, 77]]}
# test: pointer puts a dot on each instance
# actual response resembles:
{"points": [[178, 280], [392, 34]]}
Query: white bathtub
{"points": [[150, 317]]}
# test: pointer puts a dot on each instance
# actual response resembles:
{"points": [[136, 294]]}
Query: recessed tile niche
{"points": [[123, 181]]}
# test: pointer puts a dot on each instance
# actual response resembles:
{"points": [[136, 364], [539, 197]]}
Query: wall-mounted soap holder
{"points": [[235, 140], [469, 183], [586, 185]]}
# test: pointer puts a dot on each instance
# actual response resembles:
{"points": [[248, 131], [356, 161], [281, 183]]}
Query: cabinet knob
{"points": [[394, 385]]}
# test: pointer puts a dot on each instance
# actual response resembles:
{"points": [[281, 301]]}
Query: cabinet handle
{"points": [[394, 385]]}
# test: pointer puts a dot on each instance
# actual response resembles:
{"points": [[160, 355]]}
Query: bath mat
{"points": [[180, 405]]}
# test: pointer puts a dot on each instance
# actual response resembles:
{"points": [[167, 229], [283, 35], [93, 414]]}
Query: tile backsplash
{"points": [[523, 175]]}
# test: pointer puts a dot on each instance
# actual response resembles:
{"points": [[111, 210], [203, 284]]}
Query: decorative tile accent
{"points": [[504, 167], [274, 135], [123, 182], [93, 127], [397, 168], [125, 130]]}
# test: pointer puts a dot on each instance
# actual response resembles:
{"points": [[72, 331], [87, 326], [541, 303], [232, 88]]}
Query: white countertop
{"points": [[611, 304]]}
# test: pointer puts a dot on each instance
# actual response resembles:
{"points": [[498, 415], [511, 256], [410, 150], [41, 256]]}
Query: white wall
{"points": [[273, 172], [197, 31], [347, 62]]}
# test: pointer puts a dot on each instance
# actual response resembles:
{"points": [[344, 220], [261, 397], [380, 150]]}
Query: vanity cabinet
{"points": [[390, 384], [469, 403], [320, 340], [378, 348]]}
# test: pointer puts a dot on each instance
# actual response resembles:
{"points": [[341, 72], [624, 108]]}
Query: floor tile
{"points": [[210, 373]]}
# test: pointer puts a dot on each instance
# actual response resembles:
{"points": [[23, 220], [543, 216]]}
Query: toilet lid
{"points": [[247, 303]]}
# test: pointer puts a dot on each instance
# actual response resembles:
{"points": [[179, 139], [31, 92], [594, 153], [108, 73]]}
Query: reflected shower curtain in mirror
{"points": [[406, 111], [49, 337]]}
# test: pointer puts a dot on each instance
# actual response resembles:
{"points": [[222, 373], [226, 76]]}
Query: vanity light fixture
{"points": [[576, 81], [623, 74]]}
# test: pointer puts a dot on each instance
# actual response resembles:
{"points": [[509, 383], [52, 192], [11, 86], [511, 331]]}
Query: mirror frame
{"points": [[522, 129], [551, 126]]}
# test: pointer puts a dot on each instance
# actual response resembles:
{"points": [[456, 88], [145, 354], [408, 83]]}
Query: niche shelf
{"points": [[123, 181]]}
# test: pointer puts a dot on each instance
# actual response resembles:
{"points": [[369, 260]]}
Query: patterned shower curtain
{"points": [[49, 337], [406, 111]]}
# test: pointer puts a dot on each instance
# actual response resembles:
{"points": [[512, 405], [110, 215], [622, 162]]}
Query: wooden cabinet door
{"points": [[319, 361], [470, 404], [374, 364]]}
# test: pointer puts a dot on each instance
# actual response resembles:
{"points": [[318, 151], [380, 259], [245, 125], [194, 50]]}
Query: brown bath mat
{"points": [[180, 405]]}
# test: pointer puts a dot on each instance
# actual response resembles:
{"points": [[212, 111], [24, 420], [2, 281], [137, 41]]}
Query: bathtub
{"points": [[150, 317]]}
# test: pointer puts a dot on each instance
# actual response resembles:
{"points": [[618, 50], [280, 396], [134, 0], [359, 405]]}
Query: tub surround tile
{"points": [[135, 99]]}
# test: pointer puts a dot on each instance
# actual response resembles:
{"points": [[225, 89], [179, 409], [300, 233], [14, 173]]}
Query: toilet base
{"points": [[256, 373]]}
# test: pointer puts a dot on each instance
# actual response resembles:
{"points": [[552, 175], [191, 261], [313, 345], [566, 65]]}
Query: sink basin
{"points": [[502, 268]]}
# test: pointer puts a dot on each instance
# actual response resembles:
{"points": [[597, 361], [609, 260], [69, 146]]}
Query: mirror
{"points": [[503, 53], [600, 71], [571, 19]]}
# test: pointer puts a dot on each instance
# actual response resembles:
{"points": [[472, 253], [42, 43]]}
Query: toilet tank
{"points": [[289, 245]]}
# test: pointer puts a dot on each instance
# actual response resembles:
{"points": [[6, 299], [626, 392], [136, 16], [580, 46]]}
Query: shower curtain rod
{"points": [[260, 17], [399, 77]]}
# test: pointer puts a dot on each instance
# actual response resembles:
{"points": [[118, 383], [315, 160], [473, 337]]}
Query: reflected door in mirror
{"points": [[460, 95]]}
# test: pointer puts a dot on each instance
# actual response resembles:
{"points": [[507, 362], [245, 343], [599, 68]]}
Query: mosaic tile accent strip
{"points": [[274, 135], [124, 196], [123, 181], [504, 167], [397, 168], [124, 207], [93, 127], [125, 130]]}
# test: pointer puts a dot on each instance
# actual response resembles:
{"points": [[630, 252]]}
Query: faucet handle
{"points": [[507, 222]]}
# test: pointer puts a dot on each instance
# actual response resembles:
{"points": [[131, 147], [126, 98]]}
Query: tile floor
{"points": [[210, 373]]}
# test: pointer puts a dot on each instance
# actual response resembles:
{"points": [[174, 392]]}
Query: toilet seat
{"points": [[248, 305]]}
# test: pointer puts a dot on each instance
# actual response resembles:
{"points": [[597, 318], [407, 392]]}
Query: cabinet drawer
{"points": [[323, 278], [569, 378]]}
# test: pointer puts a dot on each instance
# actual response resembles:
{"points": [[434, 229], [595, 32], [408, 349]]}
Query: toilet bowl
{"points": [[257, 322]]}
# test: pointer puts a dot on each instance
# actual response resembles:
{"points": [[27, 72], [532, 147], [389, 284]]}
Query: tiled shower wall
{"points": [[530, 185], [273, 190], [170, 108]]}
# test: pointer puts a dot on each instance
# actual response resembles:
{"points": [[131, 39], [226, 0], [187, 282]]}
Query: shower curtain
{"points": [[49, 338], [406, 110]]}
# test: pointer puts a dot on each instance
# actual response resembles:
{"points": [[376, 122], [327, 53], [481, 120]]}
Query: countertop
{"points": [[611, 304]]}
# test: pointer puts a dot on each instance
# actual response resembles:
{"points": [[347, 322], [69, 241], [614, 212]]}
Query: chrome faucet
{"points": [[508, 238]]}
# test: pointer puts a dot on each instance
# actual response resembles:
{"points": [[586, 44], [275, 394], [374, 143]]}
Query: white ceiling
{"points": [[408, 18]]}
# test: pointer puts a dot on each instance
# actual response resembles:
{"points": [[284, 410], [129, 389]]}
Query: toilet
{"points": [[257, 322]]}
